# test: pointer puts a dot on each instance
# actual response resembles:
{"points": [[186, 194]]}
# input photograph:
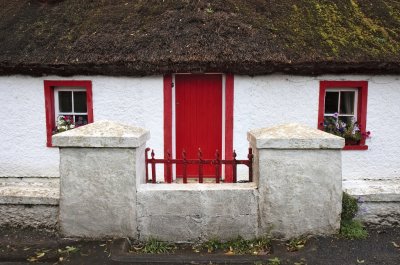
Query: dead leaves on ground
{"points": [[296, 244], [396, 245], [38, 255], [42, 253]]}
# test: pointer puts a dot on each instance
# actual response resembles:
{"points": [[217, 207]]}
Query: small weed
{"points": [[296, 244], [209, 10], [68, 249], [353, 230], [349, 228], [258, 246], [154, 246], [349, 207], [238, 246], [274, 261], [212, 245]]}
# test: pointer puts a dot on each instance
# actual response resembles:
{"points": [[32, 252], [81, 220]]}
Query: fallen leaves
{"points": [[396, 245], [296, 244], [360, 261], [68, 250], [38, 255]]}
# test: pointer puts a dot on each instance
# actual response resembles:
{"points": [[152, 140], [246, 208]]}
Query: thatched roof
{"points": [[114, 37]]}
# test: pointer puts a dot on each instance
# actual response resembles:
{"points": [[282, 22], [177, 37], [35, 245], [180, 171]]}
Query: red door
{"points": [[198, 119]]}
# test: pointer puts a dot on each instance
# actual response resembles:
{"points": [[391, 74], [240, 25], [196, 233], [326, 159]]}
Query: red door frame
{"points": [[229, 99]]}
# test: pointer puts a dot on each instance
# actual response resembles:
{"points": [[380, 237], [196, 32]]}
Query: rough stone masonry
{"points": [[297, 188]]}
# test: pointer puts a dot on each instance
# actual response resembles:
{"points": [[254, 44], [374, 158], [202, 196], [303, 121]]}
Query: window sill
{"points": [[355, 147]]}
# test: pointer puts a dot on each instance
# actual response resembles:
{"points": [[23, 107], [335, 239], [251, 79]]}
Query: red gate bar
{"points": [[250, 157], [200, 167], [217, 167], [184, 167], [169, 171], [234, 167], [217, 162]]}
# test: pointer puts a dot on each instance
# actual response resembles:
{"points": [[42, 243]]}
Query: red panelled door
{"points": [[198, 100]]}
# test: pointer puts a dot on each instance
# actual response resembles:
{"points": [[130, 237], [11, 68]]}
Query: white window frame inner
{"points": [[56, 102], [338, 107]]}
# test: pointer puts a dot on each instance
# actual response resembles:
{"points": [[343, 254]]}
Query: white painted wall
{"points": [[259, 102], [269, 100], [23, 151]]}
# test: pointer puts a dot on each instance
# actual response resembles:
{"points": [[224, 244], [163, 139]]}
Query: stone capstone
{"points": [[293, 136], [102, 134]]}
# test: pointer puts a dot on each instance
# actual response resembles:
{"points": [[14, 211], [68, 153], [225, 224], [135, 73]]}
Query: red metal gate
{"points": [[200, 162]]}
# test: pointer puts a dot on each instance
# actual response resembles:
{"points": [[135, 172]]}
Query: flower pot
{"points": [[351, 142]]}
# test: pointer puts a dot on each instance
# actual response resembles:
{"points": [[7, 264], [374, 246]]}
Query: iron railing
{"points": [[200, 162]]}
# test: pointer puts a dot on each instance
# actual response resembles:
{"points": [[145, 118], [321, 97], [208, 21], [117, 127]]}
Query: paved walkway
{"points": [[38, 247]]}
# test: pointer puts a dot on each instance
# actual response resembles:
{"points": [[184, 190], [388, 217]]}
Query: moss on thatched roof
{"points": [[142, 37]]}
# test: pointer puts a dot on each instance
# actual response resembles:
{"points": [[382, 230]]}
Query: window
{"points": [[71, 99], [346, 102]]}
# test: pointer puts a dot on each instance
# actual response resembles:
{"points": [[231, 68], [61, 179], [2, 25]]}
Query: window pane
{"points": [[347, 102], [65, 101], [80, 120], [331, 102], [80, 101]]}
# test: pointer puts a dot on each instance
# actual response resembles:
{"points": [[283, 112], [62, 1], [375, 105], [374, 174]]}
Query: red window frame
{"points": [[49, 86], [362, 87]]}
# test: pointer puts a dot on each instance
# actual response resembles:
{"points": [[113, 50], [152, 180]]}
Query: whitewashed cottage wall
{"points": [[259, 101], [23, 151], [275, 99]]}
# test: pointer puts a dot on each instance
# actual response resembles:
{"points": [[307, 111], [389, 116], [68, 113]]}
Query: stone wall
{"points": [[193, 212], [297, 188], [299, 180], [29, 203]]}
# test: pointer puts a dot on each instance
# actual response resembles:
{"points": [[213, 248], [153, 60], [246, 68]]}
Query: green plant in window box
{"points": [[64, 123], [350, 130]]}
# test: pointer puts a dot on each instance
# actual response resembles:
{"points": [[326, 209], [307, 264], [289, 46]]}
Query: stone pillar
{"points": [[299, 174], [100, 167]]}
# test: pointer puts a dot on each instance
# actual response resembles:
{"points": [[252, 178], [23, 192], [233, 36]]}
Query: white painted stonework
{"points": [[102, 134], [378, 200], [104, 196], [29, 202], [298, 172], [194, 212], [261, 101], [293, 136], [99, 171]]}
